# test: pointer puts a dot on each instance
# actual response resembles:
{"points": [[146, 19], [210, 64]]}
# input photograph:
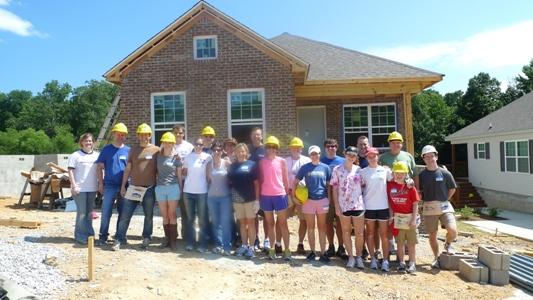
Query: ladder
{"points": [[109, 120]]}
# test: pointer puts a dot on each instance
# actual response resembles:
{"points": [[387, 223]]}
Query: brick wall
{"points": [[206, 83]]}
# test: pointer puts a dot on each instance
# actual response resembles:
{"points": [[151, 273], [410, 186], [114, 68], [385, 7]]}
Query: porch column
{"points": [[454, 159], [408, 119]]}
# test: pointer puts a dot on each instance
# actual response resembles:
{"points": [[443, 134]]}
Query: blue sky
{"points": [[75, 41]]}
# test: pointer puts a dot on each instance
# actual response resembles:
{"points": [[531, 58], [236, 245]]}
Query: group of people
{"points": [[225, 186]]}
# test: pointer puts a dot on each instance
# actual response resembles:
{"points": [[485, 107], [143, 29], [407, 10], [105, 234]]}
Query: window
{"points": [[517, 156], [373, 121], [481, 151], [168, 109], [246, 110], [205, 47]]}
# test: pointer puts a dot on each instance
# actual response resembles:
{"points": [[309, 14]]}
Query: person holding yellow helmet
{"points": [[141, 171], [274, 189], [110, 166], [208, 134], [294, 162], [168, 188]]}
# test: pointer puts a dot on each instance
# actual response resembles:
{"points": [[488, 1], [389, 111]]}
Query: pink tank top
{"points": [[272, 174]]}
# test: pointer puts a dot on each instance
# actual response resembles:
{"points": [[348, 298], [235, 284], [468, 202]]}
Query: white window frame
{"points": [[484, 151], [204, 37], [251, 121], [370, 127], [515, 157], [170, 124]]}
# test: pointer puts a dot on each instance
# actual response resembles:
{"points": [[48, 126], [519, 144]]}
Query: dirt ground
{"points": [[135, 274]]}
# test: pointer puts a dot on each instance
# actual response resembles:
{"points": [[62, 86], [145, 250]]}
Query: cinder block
{"points": [[494, 258], [451, 262], [499, 277], [473, 270]]}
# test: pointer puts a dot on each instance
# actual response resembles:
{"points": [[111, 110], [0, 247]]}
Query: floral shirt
{"points": [[348, 185]]}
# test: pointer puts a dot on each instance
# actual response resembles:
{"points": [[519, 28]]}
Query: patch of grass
{"points": [[467, 213]]}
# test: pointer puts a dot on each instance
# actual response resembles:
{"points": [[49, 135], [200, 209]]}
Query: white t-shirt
{"points": [[196, 165], [293, 165], [374, 181], [84, 165], [183, 149]]}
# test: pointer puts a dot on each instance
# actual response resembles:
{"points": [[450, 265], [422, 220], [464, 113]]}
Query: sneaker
{"points": [[412, 268], [351, 262], [311, 256], [385, 266], [287, 255], [377, 254], [256, 244], [116, 246], [341, 252], [189, 248], [331, 251], [200, 250], [249, 254], [435, 264], [278, 249], [217, 250], [225, 252], [266, 245], [100, 243], [300, 249], [449, 249], [271, 254], [374, 263], [359, 263], [401, 267], [365, 254], [146, 243], [324, 259], [241, 250]]}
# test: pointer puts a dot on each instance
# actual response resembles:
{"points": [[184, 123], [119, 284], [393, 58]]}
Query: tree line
{"points": [[52, 120]]}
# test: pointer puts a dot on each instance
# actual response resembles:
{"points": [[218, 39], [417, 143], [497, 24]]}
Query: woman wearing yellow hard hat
{"points": [[274, 189], [349, 206], [208, 134], [168, 188], [294, 162]]}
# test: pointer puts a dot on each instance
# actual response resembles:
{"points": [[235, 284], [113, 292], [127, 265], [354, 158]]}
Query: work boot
{"points": [[165, 242], [172, 233]]}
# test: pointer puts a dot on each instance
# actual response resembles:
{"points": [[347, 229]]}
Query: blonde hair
{"points": [[242, 145]]}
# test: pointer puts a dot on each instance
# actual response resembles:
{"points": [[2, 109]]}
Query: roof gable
{"points": [[514, 117]]}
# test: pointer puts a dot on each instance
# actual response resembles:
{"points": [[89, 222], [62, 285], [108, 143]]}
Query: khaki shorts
{"points": [[407, 235], [431, 223], [246, 210]]}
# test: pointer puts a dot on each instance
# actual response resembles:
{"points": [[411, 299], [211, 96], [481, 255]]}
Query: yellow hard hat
{"points": [[395, 136], [296, 142], [208, 130], [272, 140], [301, 194], [120, 127], [168, 137], [400, 167], [144, 128]]}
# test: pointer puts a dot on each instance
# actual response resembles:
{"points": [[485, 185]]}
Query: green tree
{"points": [[431, 117], [9, 141], [34, 142], [64, 141], [482, 97], [525, 83], [10, 107]]}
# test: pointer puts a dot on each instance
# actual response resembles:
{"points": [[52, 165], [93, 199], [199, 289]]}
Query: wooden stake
{"points": [[90, 247]]}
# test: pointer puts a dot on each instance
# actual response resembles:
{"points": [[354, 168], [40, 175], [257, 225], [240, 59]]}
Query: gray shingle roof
{"points": [[515, 116], [330, 62]]}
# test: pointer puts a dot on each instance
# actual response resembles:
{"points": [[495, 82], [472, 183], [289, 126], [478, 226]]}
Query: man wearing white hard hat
{"points": [[437, 186]]}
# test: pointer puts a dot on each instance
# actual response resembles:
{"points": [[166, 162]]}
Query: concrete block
{"points": [[494, 258], [499, 277], [473, 270], [451, 262]]}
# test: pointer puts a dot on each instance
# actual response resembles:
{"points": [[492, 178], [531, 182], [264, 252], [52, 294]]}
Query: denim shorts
{"points": [[274, 203], [169, 192]]}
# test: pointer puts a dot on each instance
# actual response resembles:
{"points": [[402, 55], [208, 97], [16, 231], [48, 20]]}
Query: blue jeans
{"points": [[196, 206], [84, 221], [128, 208], [111, 193], [221, 216]]}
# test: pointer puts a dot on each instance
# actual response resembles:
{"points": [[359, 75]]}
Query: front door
{"points": [[312, 125]]}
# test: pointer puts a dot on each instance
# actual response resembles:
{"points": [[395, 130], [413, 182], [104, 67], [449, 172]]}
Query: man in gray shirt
{"points": [[437, 186]]}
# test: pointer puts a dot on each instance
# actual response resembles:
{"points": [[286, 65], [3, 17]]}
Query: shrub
{"points": [[494, 212], [467, 212]]}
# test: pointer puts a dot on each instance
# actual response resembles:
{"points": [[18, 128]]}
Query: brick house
{"points": [[208, 69]]}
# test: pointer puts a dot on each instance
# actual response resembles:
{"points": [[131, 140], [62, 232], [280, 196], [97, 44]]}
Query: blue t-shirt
{"points": [[316, 178], [241, 176], [363, 162], [115, 161], [256, 154], [332, 162]]}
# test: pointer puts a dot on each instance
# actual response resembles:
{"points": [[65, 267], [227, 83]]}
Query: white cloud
{"points": [[4, 2], [507, 46], [12, 23]]}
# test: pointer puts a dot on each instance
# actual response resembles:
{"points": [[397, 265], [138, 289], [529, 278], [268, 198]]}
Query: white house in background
{"points": [[500, 155]]}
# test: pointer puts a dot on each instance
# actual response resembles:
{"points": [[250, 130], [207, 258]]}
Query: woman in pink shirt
{"points": [[274, 189]]}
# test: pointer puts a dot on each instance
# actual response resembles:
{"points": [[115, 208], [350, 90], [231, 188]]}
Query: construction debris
{"points": [[20, 223], [45, 184]]}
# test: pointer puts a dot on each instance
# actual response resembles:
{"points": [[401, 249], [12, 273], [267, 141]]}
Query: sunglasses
{"points": [[198, 145], [331, 146]]}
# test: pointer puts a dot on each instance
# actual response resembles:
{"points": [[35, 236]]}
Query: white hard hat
{"points": [[429, 149]]}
